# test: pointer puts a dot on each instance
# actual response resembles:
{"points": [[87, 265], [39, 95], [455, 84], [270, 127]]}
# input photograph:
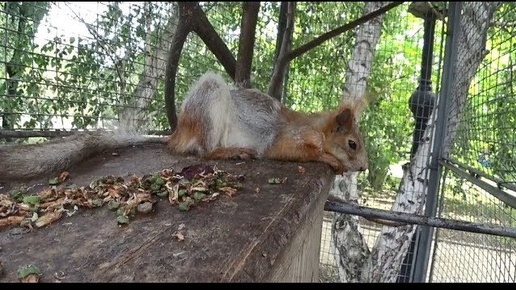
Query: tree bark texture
{"points": [[281, 64], [184, 27], [475, 21], [246, 44], [387, 255], [350, 249], [135, 115]]}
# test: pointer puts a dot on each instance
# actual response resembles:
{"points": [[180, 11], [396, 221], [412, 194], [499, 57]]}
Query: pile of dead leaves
{"points": [[194, 184]]}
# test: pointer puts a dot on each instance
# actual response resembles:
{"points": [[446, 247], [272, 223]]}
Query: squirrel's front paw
{"points": [[335, 164], [338, 168]]}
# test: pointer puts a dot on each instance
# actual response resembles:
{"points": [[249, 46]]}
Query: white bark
{"points": [[383, 263], [134, 116], [475, 21], [348, 245], [385, 260]]}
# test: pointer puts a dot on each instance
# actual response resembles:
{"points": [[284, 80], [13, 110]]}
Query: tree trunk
{"points": [[246, 44], [279, 72], [387, 255], [350, 249], [475, 21], [134, 115]]}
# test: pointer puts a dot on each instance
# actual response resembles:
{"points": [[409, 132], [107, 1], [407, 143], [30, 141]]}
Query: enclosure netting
{"points": [[483, 166], [76, 66]]}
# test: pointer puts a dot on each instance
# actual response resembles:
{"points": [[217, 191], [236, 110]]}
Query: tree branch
{"points": [[403, 218], [184, 27], [337, 31], [203, 28], [280, 69], [246, 44]]}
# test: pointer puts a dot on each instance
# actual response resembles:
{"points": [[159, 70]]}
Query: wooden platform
{"points": [[272, 235]]}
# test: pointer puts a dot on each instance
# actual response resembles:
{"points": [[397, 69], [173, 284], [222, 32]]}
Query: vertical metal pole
{"points": [[421, 104], [425, 241]]}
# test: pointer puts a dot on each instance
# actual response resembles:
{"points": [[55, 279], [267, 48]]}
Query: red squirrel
{"points": [[216, 122], [222, 122]]}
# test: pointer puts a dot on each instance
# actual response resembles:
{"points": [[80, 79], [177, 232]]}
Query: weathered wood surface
{"points": [[248, 237]]}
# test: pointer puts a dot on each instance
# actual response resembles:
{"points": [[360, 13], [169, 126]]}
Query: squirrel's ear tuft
{"points": [[356, 105], [345, 118]]}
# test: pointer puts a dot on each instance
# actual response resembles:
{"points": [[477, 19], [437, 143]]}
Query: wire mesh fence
{"points": [[480, 186], [88, 66]]}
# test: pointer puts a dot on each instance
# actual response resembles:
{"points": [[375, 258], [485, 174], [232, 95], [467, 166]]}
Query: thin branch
{"points": [[402, 217], [331, 34], [203, 28], [280, 68], [246, 44]]}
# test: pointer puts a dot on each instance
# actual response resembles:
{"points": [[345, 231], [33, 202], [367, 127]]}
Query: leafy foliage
{"points": [[86, 77]]}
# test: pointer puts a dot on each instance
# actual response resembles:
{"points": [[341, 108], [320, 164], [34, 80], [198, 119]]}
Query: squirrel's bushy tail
{"points": [[23, 162]]}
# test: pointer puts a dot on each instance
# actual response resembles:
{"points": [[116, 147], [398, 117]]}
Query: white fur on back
{"points": [[234, 120]]}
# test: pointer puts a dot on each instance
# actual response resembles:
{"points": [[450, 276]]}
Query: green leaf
{"points": [[122, 219], [113, 205], [31, 199], [27, 270], [53, 181]]}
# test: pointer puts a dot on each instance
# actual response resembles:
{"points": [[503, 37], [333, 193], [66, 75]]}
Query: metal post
{"points": [[426, 234], [421, 104]]}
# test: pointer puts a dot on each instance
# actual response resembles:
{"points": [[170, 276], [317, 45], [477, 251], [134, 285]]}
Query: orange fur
{"points": [[181, 140], [316, 137], [231, 153], [248, 124]]}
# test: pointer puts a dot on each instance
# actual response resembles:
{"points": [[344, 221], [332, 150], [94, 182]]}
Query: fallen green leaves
{"points": [[192, 185], [29, 274]]}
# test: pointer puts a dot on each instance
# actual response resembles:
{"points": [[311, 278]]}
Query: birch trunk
{"points": [[133, 115], [348, 245], [387, 255]]}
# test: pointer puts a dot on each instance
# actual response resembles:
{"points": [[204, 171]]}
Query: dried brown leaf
{"points": [[11, 220], [173, 192], [180, 236], [48, 194], [32, 278], [198, 188], [48, 218], [63, 176], [230, 191], [52, 204]]}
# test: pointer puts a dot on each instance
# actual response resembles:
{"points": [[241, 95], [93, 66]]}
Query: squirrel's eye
{"points": [[352, 144]]}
